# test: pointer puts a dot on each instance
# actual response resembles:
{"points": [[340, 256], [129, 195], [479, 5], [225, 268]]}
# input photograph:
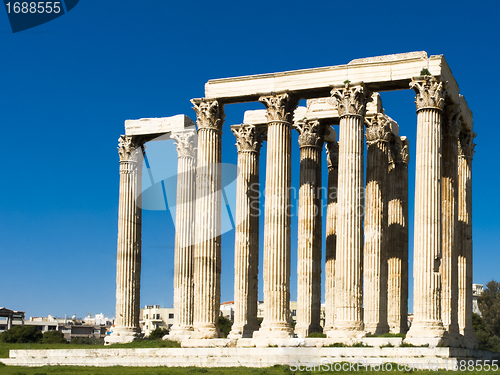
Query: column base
{"points": [[453, 340], [396, 329], [274, 331], [426, 333], [376, 328], [242, 332], [470, 339], [347, 331], [205, 331], [123, 335], [179, 333], [303, 331]]}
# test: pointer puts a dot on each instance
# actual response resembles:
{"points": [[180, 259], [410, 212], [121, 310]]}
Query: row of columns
{"points": [[442, 249]]}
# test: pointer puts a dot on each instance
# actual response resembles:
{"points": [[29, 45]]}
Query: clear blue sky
{"points": [[66, 88]]}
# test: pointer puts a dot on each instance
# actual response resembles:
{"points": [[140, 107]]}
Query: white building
{"points": [[8, 318], [227, 310], [154, 316], [477, 290], [98, 320]]}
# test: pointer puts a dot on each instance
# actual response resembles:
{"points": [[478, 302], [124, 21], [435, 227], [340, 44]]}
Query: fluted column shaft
{"points": [[348, 267], [309, 229], [207, 253], [375, 256], [128, 266], [449, 198], [427, 325], [184, 233], [466, 152], [246, 249], [332, 149], [277, 318], [397, 237]]}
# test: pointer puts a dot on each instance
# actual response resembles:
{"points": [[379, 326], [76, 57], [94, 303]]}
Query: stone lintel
{"points": [[158, 126], [378, 74], [325, 108], [258, 118]]}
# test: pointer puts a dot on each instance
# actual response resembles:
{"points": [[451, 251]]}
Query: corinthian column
{"points": [[128, 265], [397, 236], [332, 151], [378, 133], [351, 103], [184, 234], [246, 247], [449, 214], [427, 326], [207, 256], [309, 230], [277, 319], [464, 236]]}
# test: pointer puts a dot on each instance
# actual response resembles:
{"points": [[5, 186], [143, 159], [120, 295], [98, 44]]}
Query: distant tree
{"points": [[54, 337], [21, 334], [224, 326], [487, 326], [158, 333]]}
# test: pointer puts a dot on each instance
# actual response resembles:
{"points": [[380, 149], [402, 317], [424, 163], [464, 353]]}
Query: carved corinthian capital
{"points": [[351, 101], [404, 155], [429, 92], [279, 107], [248, 137], [310, 133], [186, 143], [332, 154], [127, 148], [466, 143], [378, 128], [452, 121], [209, 114], [399, 150]]}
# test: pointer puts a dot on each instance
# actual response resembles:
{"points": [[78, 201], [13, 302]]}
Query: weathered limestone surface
{"points": [[244, 356], [378, 133], [277, 317], [207, 256], [449, 198], [427, 327], [309, 228], [184, 234], [156, 126], [466, 152], [332, 151], [348, 266], [246, 250], [397, 236], [128, 265]]}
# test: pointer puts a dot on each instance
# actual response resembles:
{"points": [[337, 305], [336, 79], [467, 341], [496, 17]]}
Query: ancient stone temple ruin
{"points": [[366, 266]]}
